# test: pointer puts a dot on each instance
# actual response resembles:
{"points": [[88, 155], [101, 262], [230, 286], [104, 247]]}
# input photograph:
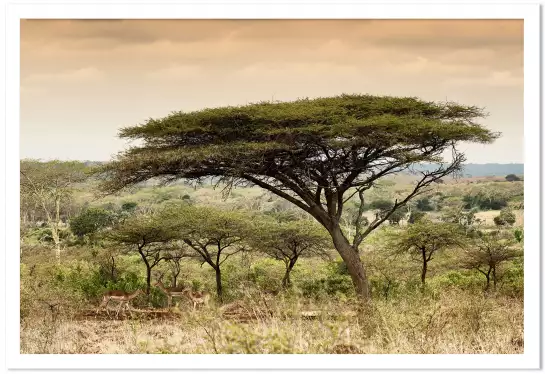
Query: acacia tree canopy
{"points": [[314, 153]]}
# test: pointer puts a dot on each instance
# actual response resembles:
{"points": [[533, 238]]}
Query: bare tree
{"points": [[50, 184]]}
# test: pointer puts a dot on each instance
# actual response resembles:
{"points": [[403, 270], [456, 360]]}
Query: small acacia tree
{"points": [[214, 234], [50, 184], [423, 239], [315, 153], [488, 251], [173, 257], [290, 240], [150, 235]]}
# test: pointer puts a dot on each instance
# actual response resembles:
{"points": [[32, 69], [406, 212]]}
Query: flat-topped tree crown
{"points": [[310, 152]]}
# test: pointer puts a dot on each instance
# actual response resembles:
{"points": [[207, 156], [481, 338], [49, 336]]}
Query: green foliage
{"points": [[428, 236], [416, 216], [91, 221], [489, 251], [456, 279], [381, 204], [129, 206], [493, 196], [512, 279], [385, 206], [512, 178], [457, 214], [146, 229], [267, 274], [424, 205], [43, 235], [519, 235], [506, 218], [290, 239], [333, 281], [422, 241]]}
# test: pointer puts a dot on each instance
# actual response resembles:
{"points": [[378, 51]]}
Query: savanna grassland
{"points": [[469, 299]]}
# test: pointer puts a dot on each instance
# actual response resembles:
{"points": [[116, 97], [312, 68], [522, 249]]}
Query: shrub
{"points": [[416, 216], [506, 218], [334, 280], [90, 221], [512, 178], [424, 205]]}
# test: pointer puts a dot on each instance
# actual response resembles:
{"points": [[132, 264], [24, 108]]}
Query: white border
{"points": [[528, 12]]}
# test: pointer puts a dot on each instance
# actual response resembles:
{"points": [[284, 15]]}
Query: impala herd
{"points": [[196, 297]]}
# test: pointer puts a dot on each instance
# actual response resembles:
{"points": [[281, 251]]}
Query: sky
{"points": [[83, 80]]}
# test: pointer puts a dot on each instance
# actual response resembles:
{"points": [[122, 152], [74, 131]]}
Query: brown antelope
{"points": [[197, 297], [122, 296], [170, 291]]}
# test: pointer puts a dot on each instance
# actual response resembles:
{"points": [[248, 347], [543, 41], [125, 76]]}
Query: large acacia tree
{"points": [[315, 153]]}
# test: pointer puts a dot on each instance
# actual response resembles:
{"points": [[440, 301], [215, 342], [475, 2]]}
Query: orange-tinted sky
{"points": [[81, 80]]}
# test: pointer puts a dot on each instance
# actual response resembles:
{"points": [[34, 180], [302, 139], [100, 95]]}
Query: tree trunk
{"points": [[113, 271], [56, 240], [353, 263], [218, 284], [148, 271], [494, 277], [488, 279], [286, 281], [424, 269], [148, 279], [55, 229]]}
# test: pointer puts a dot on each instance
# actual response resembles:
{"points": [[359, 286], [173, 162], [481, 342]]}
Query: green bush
{"points": [[267, 274], [512, 278], [90, 221], [333, 280], [424, 205], [456, 279], [506, 218], [384, 288]]}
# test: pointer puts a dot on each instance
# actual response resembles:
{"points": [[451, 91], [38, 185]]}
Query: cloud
{"points": [[176, 72], [87, 74], [399, 33], [493, 79]]}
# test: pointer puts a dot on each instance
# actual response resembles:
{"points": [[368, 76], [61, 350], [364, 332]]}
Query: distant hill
{"points": [[491, 170], [470, 170], [484, 170]]}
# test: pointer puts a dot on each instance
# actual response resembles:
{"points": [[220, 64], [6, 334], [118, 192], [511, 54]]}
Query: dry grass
{"points": [[457, 322]]}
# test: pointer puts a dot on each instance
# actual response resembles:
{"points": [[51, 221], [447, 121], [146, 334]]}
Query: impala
{"points": [[170, 291], [197, 297], [123, 297]]}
